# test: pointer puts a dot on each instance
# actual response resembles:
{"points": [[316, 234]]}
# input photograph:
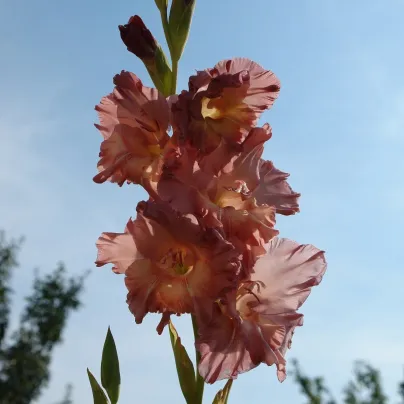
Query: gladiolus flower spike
{"points": [[205, 243]]}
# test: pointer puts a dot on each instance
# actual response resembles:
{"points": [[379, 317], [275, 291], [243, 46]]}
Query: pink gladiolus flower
{"points": [[224, 103], [133, 123], [220, 188], [205, 242], [257, 325], [171, 264]]}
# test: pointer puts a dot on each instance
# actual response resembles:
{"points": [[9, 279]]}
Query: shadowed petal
{"points": [[274, 190], [288, 272], [256, 324], [133, 123], [117, 248], [224, 102], [172, 262]]}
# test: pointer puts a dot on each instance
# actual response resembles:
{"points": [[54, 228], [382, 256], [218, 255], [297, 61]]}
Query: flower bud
{"points": [[179, 24], [140, 41]]}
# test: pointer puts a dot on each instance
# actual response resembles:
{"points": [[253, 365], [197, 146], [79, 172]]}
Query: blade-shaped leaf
{"points": [[181, 13], [161, 4], [98, 393], [222, 395], [110, 376], [185, 368]]}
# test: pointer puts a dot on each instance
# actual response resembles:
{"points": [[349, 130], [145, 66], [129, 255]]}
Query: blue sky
{"points": [[338, 129]]}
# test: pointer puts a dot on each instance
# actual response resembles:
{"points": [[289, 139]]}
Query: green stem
{"points": [[174, 60], [200, 383], [228, 394], [174, 76], [164, 20]]}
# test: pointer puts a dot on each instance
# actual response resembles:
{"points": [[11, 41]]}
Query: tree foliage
{"points": [[25, 356], [364, 388], [314, 389]]}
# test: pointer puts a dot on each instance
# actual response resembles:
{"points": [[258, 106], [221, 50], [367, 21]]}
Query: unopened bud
{"points": [[140, 41]]}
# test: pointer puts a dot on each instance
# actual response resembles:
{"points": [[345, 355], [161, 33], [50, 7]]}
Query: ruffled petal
{"points": [[224, 103], [222, 348], [274, 190], [133, 122], [256, 324], [173, 263], [287, 272], [250, 229], [264, 85], [229, 347], [117, 248]]}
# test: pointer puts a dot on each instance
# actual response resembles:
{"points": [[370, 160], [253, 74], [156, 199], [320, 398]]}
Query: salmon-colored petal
{"points": [[247, 229], [256, 324], [224, 102], [182, 228], [287, 272], [117, 248], [133, 122], [124, 156], [274, 190], [229, 348], [235, 168], [187, 199], [152, 290], [107, 114], [264, 85], [244, 168], [173, 263], [222, 348], [152, 240]]}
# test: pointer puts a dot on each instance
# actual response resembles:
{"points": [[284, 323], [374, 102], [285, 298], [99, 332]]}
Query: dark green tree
{"points": [[401, 391], [365, 387], [25, 356], [67, 399], [314, 389]]}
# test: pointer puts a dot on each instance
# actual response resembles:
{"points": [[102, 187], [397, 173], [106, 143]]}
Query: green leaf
{"points": [[222, 395], [161, 4], [110, 376], [179, 23], [185, 368], [98, 393]]}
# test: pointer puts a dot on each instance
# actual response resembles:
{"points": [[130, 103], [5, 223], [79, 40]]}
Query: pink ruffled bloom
{"points": [[205, 242], [224, 102], [232, 188], [133, 122], [257, 325], [171, 264]]}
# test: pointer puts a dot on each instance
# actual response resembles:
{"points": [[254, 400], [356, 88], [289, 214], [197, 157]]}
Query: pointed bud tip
{"points": [[137, 38]]}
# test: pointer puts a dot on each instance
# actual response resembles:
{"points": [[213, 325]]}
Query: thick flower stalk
{"points": [[205, 243]]}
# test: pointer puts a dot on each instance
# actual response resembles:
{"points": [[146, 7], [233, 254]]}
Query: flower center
{"points": [[154, 150], [247, 298], [232, 196], [178, 262], [209, 110]]}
